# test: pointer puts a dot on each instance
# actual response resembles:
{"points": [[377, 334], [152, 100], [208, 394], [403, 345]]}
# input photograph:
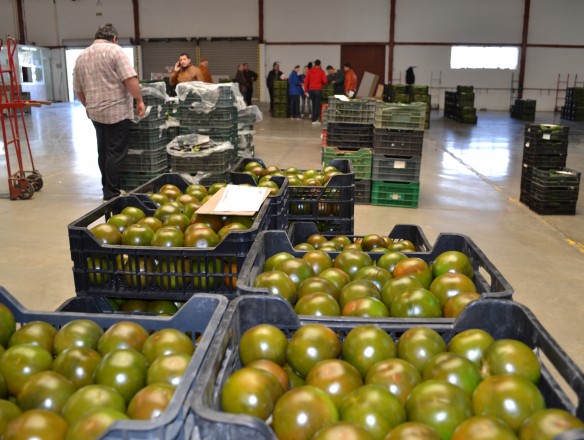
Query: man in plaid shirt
{"points": [[106, 84]]}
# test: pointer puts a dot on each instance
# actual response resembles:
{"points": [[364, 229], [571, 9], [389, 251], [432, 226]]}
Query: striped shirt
{"points": [[99, 74]]}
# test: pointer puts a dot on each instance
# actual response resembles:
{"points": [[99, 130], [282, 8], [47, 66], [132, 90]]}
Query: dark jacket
{"points": [[250, 76], [273, 76], [240, 79], [338, 79]]}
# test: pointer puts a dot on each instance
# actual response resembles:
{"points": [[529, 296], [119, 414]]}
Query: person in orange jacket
{"points": [[315, 78], [350, 81]]}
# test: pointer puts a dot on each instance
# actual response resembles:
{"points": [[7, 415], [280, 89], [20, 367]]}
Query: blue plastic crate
{"points": [[188, 270], [502, 319], [199, 318]]}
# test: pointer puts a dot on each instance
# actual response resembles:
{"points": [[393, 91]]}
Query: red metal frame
{"points": [[22, 183]]}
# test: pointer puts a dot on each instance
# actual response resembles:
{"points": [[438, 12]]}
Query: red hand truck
{"points": [[22, 184]]}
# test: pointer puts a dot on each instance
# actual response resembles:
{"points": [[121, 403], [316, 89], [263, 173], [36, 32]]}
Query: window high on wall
{"points": [[483, 57]]}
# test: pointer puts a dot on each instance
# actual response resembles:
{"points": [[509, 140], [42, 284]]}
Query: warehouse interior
{"points": [[470, 175]]}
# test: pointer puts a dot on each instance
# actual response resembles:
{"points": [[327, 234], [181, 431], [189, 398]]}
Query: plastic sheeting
{"points": [[209, 94], [155, 89], [195, 145]]}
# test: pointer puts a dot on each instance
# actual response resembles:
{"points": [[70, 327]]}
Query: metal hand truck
{"points": [[23, 183]]}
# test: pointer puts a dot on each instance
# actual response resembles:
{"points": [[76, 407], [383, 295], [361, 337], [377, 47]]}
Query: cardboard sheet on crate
{"points": [[235, 200]]}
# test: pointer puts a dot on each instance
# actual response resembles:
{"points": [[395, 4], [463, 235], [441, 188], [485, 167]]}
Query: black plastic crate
{"points": [[332, 226], [502, 319], [300, 231], [547, 132], [333, 201], [563, 177], [321, 203], [218, 118], [145, 161], [489, 282], [199, 318], [535, 159], [544, 193], [147, 138], [397, 142], [173, 273], [349, 135], [363, 191], [212, 160], [396, 169], [553, 208], [545, 147]]}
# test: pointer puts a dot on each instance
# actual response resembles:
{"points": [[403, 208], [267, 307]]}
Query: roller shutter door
{"points": [[224, 56], [157, 55]]}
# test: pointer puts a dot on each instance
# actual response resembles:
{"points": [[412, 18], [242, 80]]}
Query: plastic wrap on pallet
{"points": [[174, 147], [209, 93], [156, 90], [249, 115]]}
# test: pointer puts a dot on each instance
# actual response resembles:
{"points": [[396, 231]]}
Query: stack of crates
{"points": [[245, 143], [400, 93], [280, 99], [147, 141], [459, 105], [349, 135], [397, 154], [573, 109], [547, 186], [220, 124], [420, 93], [523, 109]]}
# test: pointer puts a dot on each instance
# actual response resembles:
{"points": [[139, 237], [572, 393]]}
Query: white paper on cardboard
{"points": [[241, 198]]}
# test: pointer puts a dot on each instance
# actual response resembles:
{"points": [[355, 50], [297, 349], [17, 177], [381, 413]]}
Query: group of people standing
{"points": [[307, 87]]}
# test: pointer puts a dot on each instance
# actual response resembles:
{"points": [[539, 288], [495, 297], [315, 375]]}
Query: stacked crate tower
{"points": [[523, 109], [397, 154], [349, 135], [547, 186], [147, 157], [220, 124], [404, 94], [280, 99], [459, 105], [573, 109]]}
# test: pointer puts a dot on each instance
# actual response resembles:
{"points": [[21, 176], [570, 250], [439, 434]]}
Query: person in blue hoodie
{"points": [[295, 91]]}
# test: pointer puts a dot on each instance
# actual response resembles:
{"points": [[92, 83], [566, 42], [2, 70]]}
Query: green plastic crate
{"points": [[402, 195], [361, 159]]}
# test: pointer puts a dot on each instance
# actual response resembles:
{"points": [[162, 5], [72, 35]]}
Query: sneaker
{"points": [[315, 123]]}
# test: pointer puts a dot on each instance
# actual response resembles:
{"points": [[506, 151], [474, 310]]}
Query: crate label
{"points": [[546, 136], [399, 164], [527, 144], [395, 196]]}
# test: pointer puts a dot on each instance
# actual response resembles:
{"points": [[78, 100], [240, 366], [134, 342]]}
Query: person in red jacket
{"points": [[350, 81], [313, 82]]}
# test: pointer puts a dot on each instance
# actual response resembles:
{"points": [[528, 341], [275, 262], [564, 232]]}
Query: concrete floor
{"points": [[470, 180]]}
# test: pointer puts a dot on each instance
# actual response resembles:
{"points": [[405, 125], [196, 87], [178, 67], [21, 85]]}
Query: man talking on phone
{"points": [[185, 71]]}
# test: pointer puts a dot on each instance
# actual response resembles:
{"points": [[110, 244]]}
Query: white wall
{"points": [[201, 18], [474, 21], [326, 21], [556, 22], [8, 19]]}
